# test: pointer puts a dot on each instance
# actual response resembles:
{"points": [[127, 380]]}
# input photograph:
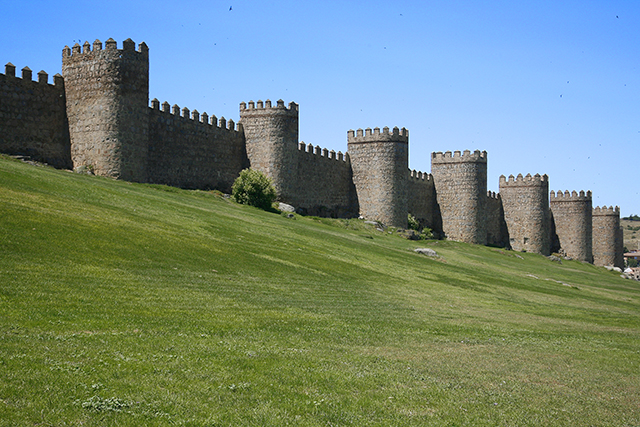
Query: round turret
{"points": [[607, 237], [380, 162], [525, 202], [107, 92], [572, 216], [271, 135], [461, 189]]}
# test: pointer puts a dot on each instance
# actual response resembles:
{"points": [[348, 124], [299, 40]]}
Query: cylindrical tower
{"points": [[607, 237], [271, 135], [461, 193], [107, 92], [525, 201], [380, 163], [572, 216]]}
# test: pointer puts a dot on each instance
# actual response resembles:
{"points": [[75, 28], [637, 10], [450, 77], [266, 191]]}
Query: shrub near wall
{"points": [[254, 188]]}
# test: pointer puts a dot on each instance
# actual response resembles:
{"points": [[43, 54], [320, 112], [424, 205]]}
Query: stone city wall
{"points": [[422, 200], [324, 184], [497, 234], [33, 117], [97, 116], [192, 150]]}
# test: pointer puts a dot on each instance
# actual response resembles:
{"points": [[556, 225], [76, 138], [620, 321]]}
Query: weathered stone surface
{"points": [[525, 202], [426, 251], [285, 207], [380, 161], [33, 119], [607, 238], [461, 187], [107, 94], [572, 216]]}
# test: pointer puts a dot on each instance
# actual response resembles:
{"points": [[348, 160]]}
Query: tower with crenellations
{"points": [[607, 237], [271, 137], [380, 164], [461, 192], [525, 201], [572, 216], [107, 94]]}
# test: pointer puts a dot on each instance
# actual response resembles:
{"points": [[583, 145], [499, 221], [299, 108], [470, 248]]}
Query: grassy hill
{"points": [[130, 304]]}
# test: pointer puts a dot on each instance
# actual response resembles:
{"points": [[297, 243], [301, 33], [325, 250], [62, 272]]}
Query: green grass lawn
{"points": [[130, 304]]}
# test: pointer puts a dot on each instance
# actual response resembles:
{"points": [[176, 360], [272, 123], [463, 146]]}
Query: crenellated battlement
{"points": [[524, 181], [195, 116], [459, 157], [570, 197], [420, 177], [324, 153], [492, 195], [27, 75], [128, 45], [266, 108], [375, 135], [606, 211]]}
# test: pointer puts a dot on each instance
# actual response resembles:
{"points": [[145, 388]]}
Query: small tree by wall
{"points": [[254, 188]]}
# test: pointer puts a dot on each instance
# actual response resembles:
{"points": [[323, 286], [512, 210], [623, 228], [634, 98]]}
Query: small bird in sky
{"points": [[230, 7]]}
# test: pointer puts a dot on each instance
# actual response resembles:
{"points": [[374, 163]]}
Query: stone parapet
{"points": [[375, 135]]}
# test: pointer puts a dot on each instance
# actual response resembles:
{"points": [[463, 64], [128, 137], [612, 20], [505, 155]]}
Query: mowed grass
{"points": [[129, 304]]}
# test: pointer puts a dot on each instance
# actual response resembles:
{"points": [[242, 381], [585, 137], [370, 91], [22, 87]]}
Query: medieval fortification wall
{"points": [[33, 119], [190, 150], [421, 193], [324, 183], [96, 116]]}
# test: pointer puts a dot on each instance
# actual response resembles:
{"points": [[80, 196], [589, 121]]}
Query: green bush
{"points": [[254, 188], [412, 223], [426, 234]]}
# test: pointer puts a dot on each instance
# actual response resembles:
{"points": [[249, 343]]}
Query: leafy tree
{"points": [[254, 188]]}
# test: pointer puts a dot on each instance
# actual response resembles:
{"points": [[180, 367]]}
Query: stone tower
{"points": [[271, 135], [461, 193], [107, 92], [607, 237], [525, 201], [572, 215], [380, 163]]}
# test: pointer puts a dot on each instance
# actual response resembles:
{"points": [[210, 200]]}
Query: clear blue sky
{"points": [[543, 86]]}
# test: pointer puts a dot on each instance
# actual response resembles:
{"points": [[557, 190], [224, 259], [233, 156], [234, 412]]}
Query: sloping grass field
{"points": [[130, 304]]}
